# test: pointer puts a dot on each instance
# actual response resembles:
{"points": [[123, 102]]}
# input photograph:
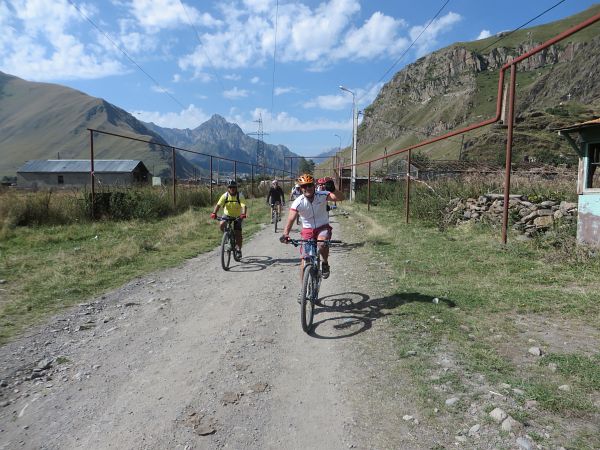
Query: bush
{"points": [[428, 200], [18, 208]]}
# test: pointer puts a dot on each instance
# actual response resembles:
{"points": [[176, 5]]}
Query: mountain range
{"points": [[445, 90], [49, 121]]}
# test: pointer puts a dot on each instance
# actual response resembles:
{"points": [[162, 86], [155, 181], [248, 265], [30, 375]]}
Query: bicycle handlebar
{"points": [[229, 219]]}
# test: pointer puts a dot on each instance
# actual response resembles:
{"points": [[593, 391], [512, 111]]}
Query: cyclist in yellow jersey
{"points": [[234, 206]]}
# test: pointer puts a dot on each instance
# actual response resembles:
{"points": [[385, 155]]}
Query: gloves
{"points": [[242, 216], [330, 186], [213, 216], [284, 239]]}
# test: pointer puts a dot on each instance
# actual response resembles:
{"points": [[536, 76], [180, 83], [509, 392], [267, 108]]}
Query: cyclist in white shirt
{"points": [[311, 206]]}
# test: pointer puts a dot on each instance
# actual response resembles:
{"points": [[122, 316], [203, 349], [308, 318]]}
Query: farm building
{"points": [[76, 173], [585, 140]]}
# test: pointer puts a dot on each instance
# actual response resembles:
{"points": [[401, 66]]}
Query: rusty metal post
{"points": [[173, 172], [509, 139], [407, 198], [92, 175], [369, 189], [211, 180]]}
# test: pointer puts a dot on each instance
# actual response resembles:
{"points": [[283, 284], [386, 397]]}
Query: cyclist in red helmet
{"points": [[311, 206]]}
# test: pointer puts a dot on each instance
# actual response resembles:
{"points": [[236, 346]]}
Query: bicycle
{"points": [[275, 215], [228, 242], [311, 279]]}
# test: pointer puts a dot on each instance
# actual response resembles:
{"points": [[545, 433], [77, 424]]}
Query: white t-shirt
{"points": [[313, 214]]}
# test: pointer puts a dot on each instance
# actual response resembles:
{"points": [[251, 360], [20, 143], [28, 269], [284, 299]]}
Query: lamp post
{"points": [[353, 155]]}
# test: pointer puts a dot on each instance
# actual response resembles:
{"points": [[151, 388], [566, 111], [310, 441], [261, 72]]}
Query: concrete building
{"points": [[76, 173], [585, 140]]}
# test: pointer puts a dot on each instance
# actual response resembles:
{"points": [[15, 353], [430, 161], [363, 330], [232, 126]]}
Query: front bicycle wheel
{"points": [[275, 219], [226, 250], [307, 305]]}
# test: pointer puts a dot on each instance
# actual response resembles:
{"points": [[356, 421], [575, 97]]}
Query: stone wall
{"points": [[526, 217]]}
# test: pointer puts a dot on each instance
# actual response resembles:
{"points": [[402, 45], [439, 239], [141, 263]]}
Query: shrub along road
{"points": [[427, 341]]}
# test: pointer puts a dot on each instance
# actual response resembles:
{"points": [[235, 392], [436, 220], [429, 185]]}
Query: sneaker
{"points": [[237, 254], [325, 270]]}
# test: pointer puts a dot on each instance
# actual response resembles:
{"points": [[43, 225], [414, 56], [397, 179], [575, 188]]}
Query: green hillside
{"points": [[457, 86], [47, 121]]}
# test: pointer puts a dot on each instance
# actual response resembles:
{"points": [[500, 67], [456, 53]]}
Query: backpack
{"points": [[237, 198]]}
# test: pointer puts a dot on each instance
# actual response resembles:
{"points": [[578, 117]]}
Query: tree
{"points": [[306, 166]]}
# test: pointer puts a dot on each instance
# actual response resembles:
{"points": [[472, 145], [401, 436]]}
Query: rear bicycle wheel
{"points": [[307, 306], [226, 250]]}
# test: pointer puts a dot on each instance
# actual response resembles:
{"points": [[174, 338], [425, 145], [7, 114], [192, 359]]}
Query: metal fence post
{"points": [[92, 175], [407, 198], [509, 139], [211, 180], [369, 189], [174, 176]]}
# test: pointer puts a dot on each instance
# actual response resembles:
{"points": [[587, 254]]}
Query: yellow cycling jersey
{"points": [[231, 204]]}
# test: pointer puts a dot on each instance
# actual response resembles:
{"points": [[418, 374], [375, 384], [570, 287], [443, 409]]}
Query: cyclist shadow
{"points": [[352, 313], [257, 263]]}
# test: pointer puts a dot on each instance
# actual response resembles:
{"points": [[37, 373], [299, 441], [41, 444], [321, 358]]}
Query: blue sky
{"points": [[177, 62]]}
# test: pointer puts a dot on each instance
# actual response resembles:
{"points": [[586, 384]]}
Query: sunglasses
{"points": [[307, 186]]}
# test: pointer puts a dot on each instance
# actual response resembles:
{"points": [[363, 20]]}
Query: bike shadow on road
{"points": [[257, 263], [350, 313]]}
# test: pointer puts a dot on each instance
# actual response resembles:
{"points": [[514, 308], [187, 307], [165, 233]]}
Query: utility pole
{"points": [[260, 143]]}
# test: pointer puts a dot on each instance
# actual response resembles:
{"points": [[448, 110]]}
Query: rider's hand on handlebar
{"points": [[284, 239], [242, 216], [213, 216]]}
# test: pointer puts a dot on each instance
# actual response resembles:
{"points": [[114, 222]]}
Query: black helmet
{"points": [[231, 183]]}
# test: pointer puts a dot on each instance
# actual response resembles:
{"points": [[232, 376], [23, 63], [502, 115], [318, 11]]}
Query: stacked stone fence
{"points": [[529, 218]]}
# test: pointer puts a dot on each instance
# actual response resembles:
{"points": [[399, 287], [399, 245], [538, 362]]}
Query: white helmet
{"points": [[274, 182]]}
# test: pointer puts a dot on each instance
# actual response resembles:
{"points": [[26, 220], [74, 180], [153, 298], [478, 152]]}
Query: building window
{"points": [[593, 172], [61, 179]]}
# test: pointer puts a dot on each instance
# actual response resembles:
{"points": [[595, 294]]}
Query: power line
{"points": [[156, 83], [412, 43], [202, 46], [274, 58], [525, 24]]}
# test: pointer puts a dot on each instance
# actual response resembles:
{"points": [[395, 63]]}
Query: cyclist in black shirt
{"points": [[276, 197]]}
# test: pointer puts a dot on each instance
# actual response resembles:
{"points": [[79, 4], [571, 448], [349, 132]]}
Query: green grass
{"points": [[48, 268], [481, 285]]}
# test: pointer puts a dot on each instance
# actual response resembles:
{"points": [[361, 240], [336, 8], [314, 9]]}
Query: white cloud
{"points": [[318, 36], [155, 15], [283, 122], [188, 118], [330, 102], [35, 43], [235, 93], [233, 77], [484, 34], [378, 36], [160, 89], [363, 96], [428, 40], [254, 80], [285, 90]]}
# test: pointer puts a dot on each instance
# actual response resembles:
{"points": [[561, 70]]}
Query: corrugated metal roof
{"points": [[80, 165], [579, 126]]}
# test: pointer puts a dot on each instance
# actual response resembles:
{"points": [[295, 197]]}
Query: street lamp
{"points": [[337, 155], [353, 155]]}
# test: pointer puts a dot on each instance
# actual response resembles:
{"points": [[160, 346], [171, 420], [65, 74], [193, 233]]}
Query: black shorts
{"points": [[237, 225]]}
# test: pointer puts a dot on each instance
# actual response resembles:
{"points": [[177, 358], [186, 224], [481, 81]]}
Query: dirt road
{"points": [[195, 357]]}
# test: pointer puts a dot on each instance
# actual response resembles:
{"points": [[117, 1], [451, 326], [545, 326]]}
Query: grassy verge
{"points": [[466, 299], [48, 268]]}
